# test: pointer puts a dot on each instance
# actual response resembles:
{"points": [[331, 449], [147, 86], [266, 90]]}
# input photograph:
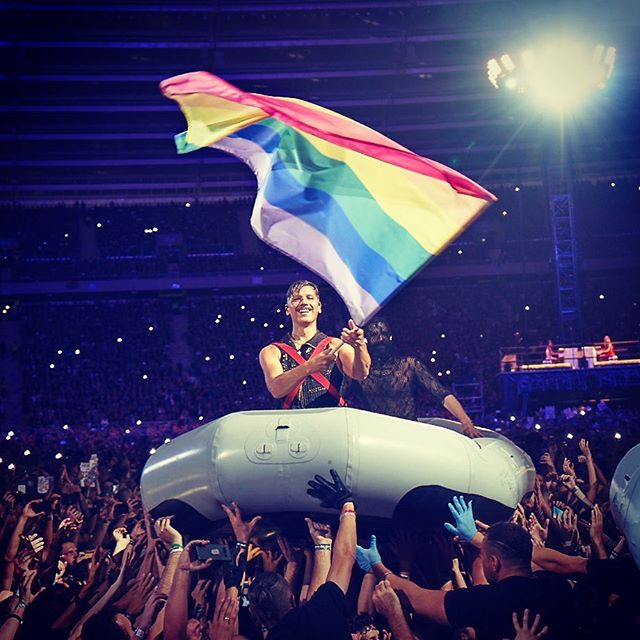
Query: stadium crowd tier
{"points": [[191, 238]]}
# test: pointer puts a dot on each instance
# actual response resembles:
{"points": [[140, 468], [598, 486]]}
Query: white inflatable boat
{"points": [[395, 468]]}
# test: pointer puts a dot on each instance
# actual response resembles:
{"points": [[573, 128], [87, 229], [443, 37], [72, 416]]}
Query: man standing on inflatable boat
{"points": [[306, 368]]}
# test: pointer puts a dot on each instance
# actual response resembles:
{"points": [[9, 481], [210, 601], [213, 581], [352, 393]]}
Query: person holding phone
{"points": [[306, 367]]}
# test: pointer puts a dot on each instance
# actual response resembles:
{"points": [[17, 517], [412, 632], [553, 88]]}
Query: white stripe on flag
{"points": [[292, 236]]}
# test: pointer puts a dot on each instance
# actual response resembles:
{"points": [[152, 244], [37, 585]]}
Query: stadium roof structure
{"points": [[84, 119]]}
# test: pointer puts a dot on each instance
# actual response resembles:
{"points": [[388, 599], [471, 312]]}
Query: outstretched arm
{"points": [[353, 355], [426, 602], [453, 406], [335, 495], [323, 545]]}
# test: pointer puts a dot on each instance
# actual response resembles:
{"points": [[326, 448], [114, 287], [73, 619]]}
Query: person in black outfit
{"points": [[325, 615], [506, 553], [393, 382], [306, 368]]}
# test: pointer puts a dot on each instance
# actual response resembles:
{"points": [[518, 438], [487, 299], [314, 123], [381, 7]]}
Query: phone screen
{"points": [[557, 512], [219, 552]]}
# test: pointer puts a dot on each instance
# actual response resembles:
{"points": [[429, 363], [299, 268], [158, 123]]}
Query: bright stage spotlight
{"points": [[556, 76]]}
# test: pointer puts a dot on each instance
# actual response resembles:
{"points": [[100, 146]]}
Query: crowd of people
{"points": [[82, 559]]}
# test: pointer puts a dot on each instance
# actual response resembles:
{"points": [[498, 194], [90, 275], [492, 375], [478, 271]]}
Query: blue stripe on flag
{"points": [[319, 209]]}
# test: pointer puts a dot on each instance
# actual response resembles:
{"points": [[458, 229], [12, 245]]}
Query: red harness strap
{"points": [[318, 377]]}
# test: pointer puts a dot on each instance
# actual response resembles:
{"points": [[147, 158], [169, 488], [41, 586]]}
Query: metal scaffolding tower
{"points": [[566, 266]]}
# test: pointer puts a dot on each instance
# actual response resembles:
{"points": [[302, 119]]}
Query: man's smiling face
{"points": [[304, 305]]}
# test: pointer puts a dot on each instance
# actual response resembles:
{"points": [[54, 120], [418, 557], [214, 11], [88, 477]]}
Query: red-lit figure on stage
{"points": [[606, 351]]}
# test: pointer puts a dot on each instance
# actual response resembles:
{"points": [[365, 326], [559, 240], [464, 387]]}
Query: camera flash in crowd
{"points": [[58, 456], [27, 452], [570, 436], [617, 436]]}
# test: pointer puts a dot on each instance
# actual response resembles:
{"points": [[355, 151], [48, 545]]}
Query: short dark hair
{"points": [[511, 542], [269, 598], [360, 623], [294, 287]]}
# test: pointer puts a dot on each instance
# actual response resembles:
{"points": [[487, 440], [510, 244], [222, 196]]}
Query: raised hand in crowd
{"points": [[465, 525], [152, 609], [539, 533], [526, 632], [242, 529], [595, 533], [170, 536], [387, 604], [224, 624]]}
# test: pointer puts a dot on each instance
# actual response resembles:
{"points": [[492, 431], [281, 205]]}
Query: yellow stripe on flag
{"points": [[210, 118], [428, 208]]}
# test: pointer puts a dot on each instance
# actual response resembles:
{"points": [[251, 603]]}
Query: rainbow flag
{"points": [[361, 211]]}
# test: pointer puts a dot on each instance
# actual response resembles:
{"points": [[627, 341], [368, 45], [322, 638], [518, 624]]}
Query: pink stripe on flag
{"points": [[323, 124]]}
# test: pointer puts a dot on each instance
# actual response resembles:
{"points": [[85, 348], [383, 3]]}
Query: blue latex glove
{"points": [[465, 526], [366, 558]]}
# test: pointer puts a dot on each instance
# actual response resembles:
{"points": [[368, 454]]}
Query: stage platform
{"points": [[540, 384]]}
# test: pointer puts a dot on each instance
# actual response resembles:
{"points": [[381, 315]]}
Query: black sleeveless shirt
{"points": [[311, 394]]}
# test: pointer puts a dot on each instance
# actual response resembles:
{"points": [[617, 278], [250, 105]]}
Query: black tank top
{"points": [[311, 394]]}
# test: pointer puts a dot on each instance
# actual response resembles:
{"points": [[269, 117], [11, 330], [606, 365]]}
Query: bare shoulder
{"points": [[269, 352]]}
